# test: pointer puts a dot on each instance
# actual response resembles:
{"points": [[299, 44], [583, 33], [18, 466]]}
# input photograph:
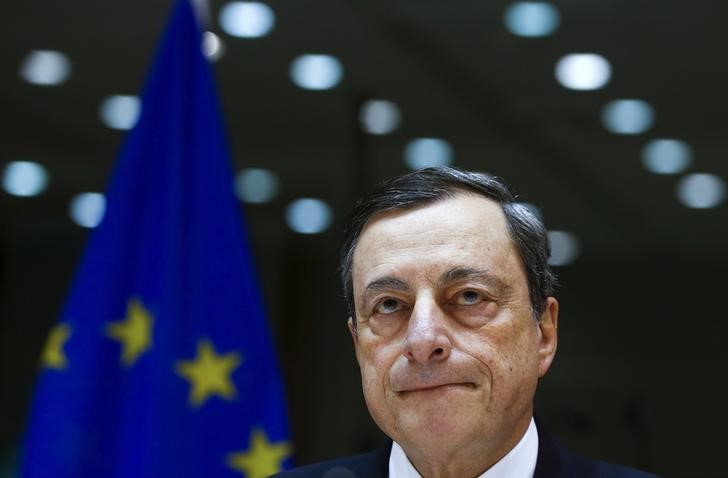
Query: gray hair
{"points": [[429, 185]]}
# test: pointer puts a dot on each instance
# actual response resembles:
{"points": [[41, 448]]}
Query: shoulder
{"points": [[368, 465], [556, 461], [586, 467]]}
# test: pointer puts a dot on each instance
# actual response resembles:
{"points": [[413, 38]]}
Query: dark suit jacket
{"points": [[554, 461]]}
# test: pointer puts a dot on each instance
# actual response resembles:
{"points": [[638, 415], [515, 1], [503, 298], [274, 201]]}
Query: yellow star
{"points": [[53, 355], [262, 459], [134, 332], [209, 373]]}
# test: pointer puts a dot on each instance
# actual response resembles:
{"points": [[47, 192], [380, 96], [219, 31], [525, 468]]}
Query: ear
{"points": [[352, 329], [548, 326], [354, 335]]}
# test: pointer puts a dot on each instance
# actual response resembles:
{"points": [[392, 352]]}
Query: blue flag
{"points": [[162, 364]]}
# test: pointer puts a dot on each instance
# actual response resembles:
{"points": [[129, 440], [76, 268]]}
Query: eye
{"points": [[388, 306], [468, 297]]}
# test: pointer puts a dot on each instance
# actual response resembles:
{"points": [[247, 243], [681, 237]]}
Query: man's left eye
{"points": [[468, 297]]}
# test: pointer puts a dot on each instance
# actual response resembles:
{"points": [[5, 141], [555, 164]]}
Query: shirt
{"points": [[520, 462]]}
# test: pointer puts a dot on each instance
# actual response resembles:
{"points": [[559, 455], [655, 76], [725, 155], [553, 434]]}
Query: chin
{"points": [[441, 423]]}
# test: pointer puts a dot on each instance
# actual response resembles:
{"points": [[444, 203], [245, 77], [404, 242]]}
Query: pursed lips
{"points": [[426, 386], [405, 377]]}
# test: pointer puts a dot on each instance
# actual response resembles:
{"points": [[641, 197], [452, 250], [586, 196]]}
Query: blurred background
{"points": [[608, 118]]}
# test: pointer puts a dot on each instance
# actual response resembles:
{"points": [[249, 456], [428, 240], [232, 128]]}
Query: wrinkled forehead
{"points": [[466, 228]]}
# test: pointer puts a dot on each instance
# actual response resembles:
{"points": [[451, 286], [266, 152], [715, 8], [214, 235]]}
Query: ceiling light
{"points": [[87, 209], [247, 19], [531, 19], [308, 216], [428, 152], [120, 111], [45, 67], [583, 71], [666, 156], [628, 116], [212, 46], [254, 185], [564, 248], [701, 191], [24, 178], [379, 116], [316, 72]]}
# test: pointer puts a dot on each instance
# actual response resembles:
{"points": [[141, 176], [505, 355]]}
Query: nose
{"points": [[427, 338]]}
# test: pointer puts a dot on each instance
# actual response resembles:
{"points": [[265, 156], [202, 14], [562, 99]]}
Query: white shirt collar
{"points": [[520, 462]]}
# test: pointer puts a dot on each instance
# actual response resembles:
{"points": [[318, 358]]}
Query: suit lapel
{"points": [[374, 465]]}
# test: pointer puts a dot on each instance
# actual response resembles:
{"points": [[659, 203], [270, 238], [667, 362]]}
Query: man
{"points": [[453, 322]]}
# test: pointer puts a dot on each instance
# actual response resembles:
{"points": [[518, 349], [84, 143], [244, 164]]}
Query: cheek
{"points": [[375, 382], [514, 363], [375, 360], [370, 378], [507, 353]]}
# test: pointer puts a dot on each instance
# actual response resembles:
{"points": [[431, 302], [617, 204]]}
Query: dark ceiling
{"points": [[454, 70]]}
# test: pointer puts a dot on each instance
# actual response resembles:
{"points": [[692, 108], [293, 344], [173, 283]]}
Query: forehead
{"points": [[466, 230]]}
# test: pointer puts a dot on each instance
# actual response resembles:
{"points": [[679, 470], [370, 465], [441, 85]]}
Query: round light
{"points": [[255, 185], [564, 248], [666, 156], [87, 209], [379, 116], [308, 216], [45, 67], [628, 116], [583, 71], [316, 72], [120, 111], [212, 46], [531, 19], [428, 152], [247, 19], [701, 191], [24, 178]]}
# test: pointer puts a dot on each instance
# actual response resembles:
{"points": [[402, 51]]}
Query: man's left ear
{"points": [[549, 337]]}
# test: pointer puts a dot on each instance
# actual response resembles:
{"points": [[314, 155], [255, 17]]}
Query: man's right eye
{"points": [[388, 306]]}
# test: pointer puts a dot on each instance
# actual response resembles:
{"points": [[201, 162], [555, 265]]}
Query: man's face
{"points": [[449, 350]]}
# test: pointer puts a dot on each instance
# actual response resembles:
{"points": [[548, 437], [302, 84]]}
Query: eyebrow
{"points": [[455, 274], [483, 276], [384, 283]]}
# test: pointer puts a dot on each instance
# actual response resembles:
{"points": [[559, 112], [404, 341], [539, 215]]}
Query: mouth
{"points": [[436, 388]]}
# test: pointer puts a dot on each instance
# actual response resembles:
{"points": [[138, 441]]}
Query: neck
{"points": [[463, 460]]}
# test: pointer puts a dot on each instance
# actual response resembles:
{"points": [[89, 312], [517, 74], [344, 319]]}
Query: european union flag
{"points": [[162, 364]]}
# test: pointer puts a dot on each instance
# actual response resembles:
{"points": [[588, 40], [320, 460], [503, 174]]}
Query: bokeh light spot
{"points": [[628, 116], [120, 111], [212, 46], [308, 216], [564, 248], [256, 185], [316, 72], [87, 209], [24, 178], [379, 116], [701, 191], [666, 156], [428, 152], [45, 67], [247, 19], [531, 19], [583, 71]]}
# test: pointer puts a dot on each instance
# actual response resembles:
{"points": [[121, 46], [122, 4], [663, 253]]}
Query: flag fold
{"points": [[162, 364]]}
